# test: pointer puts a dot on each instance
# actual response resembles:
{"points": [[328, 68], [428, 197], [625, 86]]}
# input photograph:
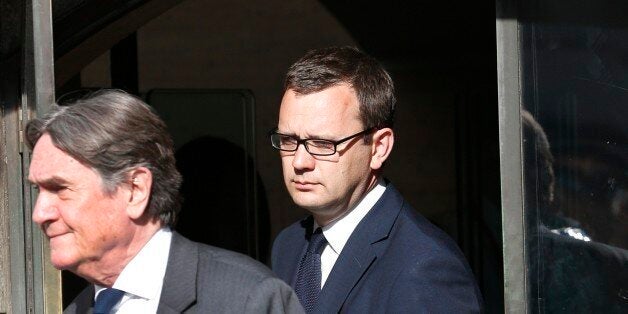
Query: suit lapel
{"points": [[179, 288], [300, 248], [83, 303], [360, 252], [349, 268]]}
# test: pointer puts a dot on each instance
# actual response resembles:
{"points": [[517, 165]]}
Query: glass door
{"points": [[564, 137]]}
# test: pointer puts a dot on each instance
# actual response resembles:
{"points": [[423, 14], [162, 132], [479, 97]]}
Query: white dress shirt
{"points": [[143, 276], [338, 232]]}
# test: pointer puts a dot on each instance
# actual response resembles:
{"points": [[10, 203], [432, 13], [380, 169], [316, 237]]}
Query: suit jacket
{"points": [[205, 279], [395, 261]]}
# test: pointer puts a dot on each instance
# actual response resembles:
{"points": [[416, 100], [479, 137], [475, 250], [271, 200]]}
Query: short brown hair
{"points": [[113, 133], [323, 68]]}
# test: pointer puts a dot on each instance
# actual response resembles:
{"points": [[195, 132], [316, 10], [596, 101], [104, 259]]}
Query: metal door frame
{"points": [[30, 283], [511, 162]]}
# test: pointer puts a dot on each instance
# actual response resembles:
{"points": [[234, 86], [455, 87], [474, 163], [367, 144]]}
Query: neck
{"points": [[105, 270], [323, 220]]}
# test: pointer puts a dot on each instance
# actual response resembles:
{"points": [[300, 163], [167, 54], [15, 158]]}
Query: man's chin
{"points": [[307, 202], [62, 262], [314, 208]]}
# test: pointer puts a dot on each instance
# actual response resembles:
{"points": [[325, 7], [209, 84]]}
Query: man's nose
{"points": [[303, 160], [44, 209]]}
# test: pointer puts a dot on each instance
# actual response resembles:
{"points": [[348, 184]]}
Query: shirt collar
{"points": [[338, 232], [143, 276]]}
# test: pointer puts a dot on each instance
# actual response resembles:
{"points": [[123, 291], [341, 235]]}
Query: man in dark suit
{"points": [[108, 194], [363, 249]]}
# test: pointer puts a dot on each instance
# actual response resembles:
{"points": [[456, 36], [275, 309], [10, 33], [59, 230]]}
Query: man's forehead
{"points": [[334, 100], [50, 162], [318, 120]]}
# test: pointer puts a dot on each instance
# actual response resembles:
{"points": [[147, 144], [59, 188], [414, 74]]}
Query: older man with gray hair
{"points": [[108, 195]]}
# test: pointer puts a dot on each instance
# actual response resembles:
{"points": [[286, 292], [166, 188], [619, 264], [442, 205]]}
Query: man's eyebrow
{"points": [[309, 137], [54, 180]]}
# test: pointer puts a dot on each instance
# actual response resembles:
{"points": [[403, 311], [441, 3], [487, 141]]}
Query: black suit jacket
{"points": [[395, 261]]}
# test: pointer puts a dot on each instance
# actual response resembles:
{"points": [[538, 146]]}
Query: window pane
{"points": [[575, 144]]}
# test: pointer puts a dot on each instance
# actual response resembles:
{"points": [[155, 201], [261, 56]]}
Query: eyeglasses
{"points": [[316, 147]]}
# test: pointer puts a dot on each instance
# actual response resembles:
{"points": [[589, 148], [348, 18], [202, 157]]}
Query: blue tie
{"points": [[106, 300], [308, 284]]}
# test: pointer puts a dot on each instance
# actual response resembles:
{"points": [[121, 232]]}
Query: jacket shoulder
{"points": [[288, 241], [288, 235], [430, 266], [82, 303], [237, 284], [229, 261]]}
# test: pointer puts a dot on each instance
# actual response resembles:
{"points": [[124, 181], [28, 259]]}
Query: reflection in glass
{"points": [[575, 144]]}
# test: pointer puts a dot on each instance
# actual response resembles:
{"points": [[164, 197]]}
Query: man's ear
{"points": [[383, 140], [141, 183]]}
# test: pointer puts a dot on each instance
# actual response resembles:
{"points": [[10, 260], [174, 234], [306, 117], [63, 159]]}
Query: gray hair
{"points": [[113, 133]]}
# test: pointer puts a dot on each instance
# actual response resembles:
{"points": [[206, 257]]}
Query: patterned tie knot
{"points": [[317, 241], [106, 300]]}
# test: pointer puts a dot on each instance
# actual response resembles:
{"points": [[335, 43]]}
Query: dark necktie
{"points": [[106, 300], [308, 284]]}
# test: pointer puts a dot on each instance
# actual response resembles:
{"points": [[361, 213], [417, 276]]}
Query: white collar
{"points": [[143, 276], [338, 232]]}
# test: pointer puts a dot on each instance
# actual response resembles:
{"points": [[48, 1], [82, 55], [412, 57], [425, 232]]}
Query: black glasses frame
{"points": [[305, 141]]}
